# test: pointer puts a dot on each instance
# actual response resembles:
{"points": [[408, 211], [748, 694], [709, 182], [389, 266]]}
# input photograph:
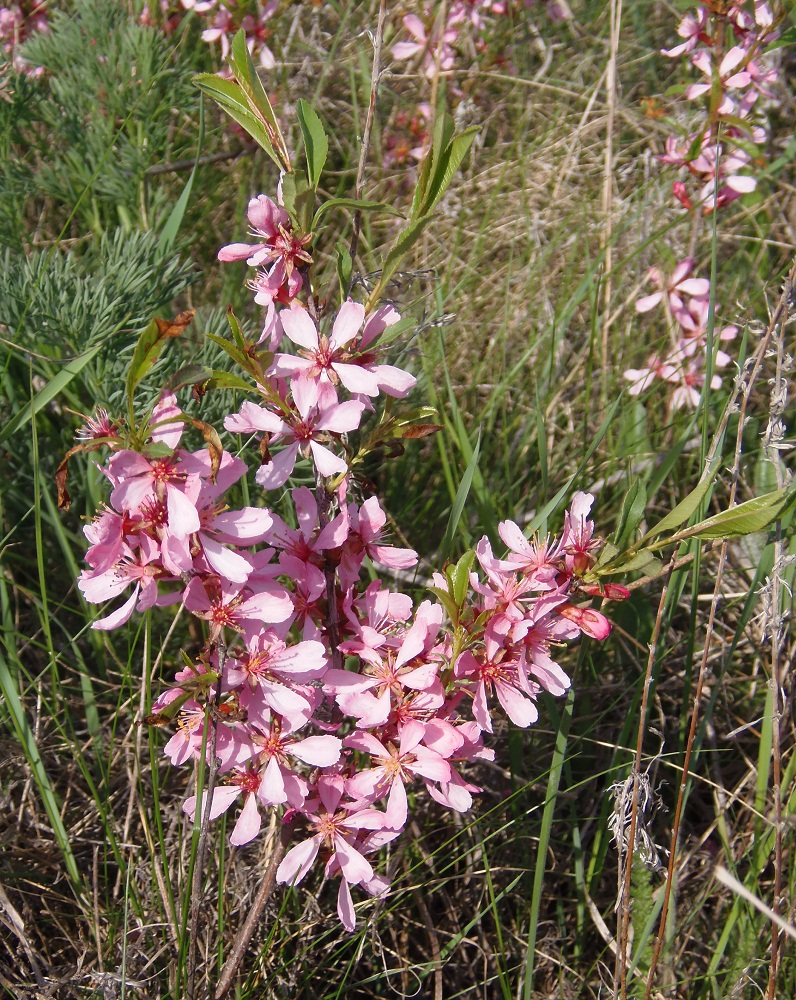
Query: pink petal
{"points": [[277, 472], [298, 861], [518, 708], [183, 516], [345, 907], [397, 810], [231, 565], [357, 379], [698, 287], [272, 786], [353, 865], [326, 462], [741, 183], [320, 751], [733, 58], [347, 324], [647, 302], [299, 328], [342, 418], [119, 617], [236, 251]]}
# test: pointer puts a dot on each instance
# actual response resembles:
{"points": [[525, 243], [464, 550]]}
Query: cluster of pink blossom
{"points": [[226, 18], [435, 43], [18, 22], [717, 153], [336, 696], [686, 301], [407, 137]]}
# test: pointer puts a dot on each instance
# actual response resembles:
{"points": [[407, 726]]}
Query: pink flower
{"points": [[230, 605], [334, 359], [336, 827], [498, 667], [318, 415], [675, 287], [395, 767], [278, 246], [427, 45]]}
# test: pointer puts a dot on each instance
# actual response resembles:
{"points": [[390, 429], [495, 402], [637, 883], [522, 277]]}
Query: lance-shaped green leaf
{"points": [[232, 99], [316, 145], [445, 599], [402, 246], [687, 506], [345, 267], [359, 204], [459, 576], [298, 199], [746, 518], [443, 160], [149, 346], [245, 73], [633, 506], [627, 563]]}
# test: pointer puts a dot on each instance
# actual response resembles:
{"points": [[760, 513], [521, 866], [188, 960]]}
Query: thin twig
{"points": [[263, 895], [375, 74], [190, 162]]}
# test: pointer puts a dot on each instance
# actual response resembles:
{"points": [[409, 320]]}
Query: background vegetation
{"points": [[524, 296]]}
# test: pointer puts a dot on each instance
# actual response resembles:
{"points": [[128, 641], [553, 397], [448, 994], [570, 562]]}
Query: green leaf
{"points": [[403, 245], [316, 145], [229, 95], [447, 602], [45, 395], [237, 333], [627, 564], [633, 506], [345, 267], [359, 204], [686, 508], [298, 199], [174, 221], [461, 577], [226, 380], [240, 357], [246, 74], [150, 344], [746, 518], [187, 375], [443, 171]]}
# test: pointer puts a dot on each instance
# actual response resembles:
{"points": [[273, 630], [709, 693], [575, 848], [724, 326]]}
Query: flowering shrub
{"points": [[317, 693]]}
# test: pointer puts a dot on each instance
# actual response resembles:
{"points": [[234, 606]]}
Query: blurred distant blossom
{"points": [[733, 77], [226, 17], [688, 307], [17, 23]]}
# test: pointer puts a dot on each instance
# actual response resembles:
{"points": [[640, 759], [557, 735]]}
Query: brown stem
{"points": [[375, 74], [263, 894]]}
